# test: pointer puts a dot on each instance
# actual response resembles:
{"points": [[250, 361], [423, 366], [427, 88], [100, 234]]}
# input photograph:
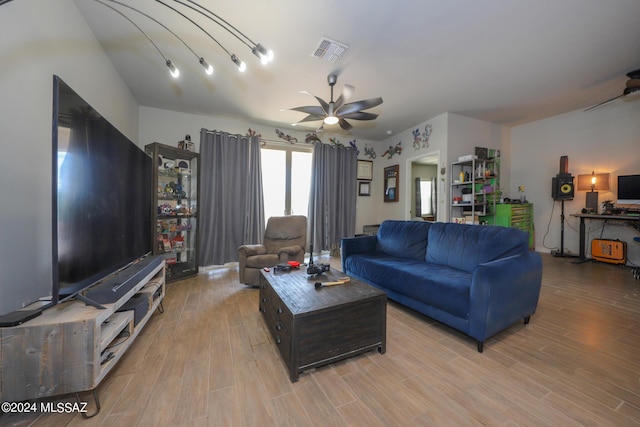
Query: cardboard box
{"points": [[467, 157], [468, 219]]}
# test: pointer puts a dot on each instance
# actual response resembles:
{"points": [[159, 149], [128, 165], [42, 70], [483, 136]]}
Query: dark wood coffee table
{"points": [[314, 327]]}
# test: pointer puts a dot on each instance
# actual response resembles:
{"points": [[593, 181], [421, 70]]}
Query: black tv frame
{"points": [[78, 290]]}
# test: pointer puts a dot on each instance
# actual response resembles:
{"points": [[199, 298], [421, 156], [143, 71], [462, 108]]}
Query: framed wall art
{"points": [[365, 170], [364, 188], [391, 184]]}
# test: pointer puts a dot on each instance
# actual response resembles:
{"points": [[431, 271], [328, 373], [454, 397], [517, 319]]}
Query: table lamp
{"points": [[592, 184]]}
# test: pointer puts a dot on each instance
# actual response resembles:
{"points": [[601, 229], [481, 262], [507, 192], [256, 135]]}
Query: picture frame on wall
{"points": [[391, 184], [364, 188], [365, 170]]}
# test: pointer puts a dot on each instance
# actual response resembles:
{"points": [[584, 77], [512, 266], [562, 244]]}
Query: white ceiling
{"points": [[504, 61]]}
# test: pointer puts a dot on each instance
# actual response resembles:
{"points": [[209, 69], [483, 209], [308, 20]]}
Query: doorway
{"points": [[423, 183]]}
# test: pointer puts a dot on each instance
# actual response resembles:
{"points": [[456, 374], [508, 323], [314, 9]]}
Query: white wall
{"points": [[374, 209], [38, 39], [606, 139], [452, 136]]}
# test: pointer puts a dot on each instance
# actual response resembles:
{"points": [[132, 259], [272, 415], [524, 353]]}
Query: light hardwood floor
{"points": [[208, 361]]}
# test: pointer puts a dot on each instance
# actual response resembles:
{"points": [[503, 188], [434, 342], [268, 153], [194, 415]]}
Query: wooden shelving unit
{"points": [[72, 347]]}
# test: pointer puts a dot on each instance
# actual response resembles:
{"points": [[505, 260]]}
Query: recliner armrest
{"points": [[250, 250]]}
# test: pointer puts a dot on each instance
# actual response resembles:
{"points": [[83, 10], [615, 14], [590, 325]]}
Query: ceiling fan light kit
{"points": [[336, 112], [331, 120]]}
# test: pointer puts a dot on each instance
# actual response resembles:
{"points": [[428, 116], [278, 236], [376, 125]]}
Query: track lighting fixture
{"points": [[175, 73], [262, 53], [207, 67], [172, 68], [257, 49], [241, 65]]}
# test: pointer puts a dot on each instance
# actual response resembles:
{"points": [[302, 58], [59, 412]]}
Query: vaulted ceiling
{"points": [[502, 61]]}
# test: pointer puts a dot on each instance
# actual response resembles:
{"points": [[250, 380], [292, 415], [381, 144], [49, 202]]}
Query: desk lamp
{"points": [[591, 183]]}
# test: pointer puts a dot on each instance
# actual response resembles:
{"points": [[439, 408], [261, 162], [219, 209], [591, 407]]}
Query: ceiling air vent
{"points": [[329, 50]]}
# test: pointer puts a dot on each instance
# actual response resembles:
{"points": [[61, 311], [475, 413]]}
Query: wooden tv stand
{"points": [[72, 346]]}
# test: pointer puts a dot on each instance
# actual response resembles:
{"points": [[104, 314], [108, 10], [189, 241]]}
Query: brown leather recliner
{"points": [[285, 239]]}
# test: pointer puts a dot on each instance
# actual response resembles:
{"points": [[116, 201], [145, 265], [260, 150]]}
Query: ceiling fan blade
{"points": [[345, 124], [603, 102], [347, 93], [323, 103], [310, 109], [360, 115], [311, 118], [353, 107]]}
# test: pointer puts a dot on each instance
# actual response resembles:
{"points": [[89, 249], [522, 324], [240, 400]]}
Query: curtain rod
{"points": [[283, 142]]}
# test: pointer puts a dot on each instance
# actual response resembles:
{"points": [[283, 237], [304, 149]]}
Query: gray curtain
{"points": [[231, 211], [332, 203]]}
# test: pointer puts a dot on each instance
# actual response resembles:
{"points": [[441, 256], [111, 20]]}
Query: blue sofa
{"points": [[478, 279]]}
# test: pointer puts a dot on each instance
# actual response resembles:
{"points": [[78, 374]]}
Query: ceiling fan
{"points": [[338, 111], [632, 86]]}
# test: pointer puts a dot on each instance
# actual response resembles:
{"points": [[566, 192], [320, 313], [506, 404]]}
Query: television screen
{"points": [[101, 199], [629, 189]]}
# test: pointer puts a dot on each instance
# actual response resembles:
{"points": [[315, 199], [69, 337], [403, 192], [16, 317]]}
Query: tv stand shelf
{"points": [[71, 347]]}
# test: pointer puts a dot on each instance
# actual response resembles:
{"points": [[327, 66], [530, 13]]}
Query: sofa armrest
{"points": [[357, 245], [502, 292]]}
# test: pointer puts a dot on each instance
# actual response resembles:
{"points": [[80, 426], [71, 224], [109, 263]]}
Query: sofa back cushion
{"points": [[404, 239], [464, 246]]}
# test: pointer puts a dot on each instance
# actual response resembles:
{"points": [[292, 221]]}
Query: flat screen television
{"points": [[101, 194], [629, 189]]}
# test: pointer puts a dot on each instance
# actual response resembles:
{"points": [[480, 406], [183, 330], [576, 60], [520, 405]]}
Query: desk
{"points": [[604, 218]]}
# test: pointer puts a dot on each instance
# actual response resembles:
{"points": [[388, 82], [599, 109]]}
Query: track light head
{"points": [[263, 54], [175, 73], [207, 67], [241, 65]]}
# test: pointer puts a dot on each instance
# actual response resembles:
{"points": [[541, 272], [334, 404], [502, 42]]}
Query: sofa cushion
{"points": [[464, 246], [437, 285], [403, 239]]}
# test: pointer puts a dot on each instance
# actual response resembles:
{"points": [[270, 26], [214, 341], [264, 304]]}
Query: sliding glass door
{"points": [[286, 178]]}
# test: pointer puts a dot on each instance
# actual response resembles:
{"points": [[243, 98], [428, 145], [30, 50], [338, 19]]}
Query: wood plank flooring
{"points": [[209, 361]]}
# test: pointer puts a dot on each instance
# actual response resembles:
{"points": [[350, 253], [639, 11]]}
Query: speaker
{"points": [[564, 165], [562, 187]]}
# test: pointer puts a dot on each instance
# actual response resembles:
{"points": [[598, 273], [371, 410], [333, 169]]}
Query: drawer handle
{"points": [[279, 326], [278, 340], [264, 299], [279, 310]]}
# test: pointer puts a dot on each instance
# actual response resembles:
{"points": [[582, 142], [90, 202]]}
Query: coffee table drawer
{"points": [[277, 318]]}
